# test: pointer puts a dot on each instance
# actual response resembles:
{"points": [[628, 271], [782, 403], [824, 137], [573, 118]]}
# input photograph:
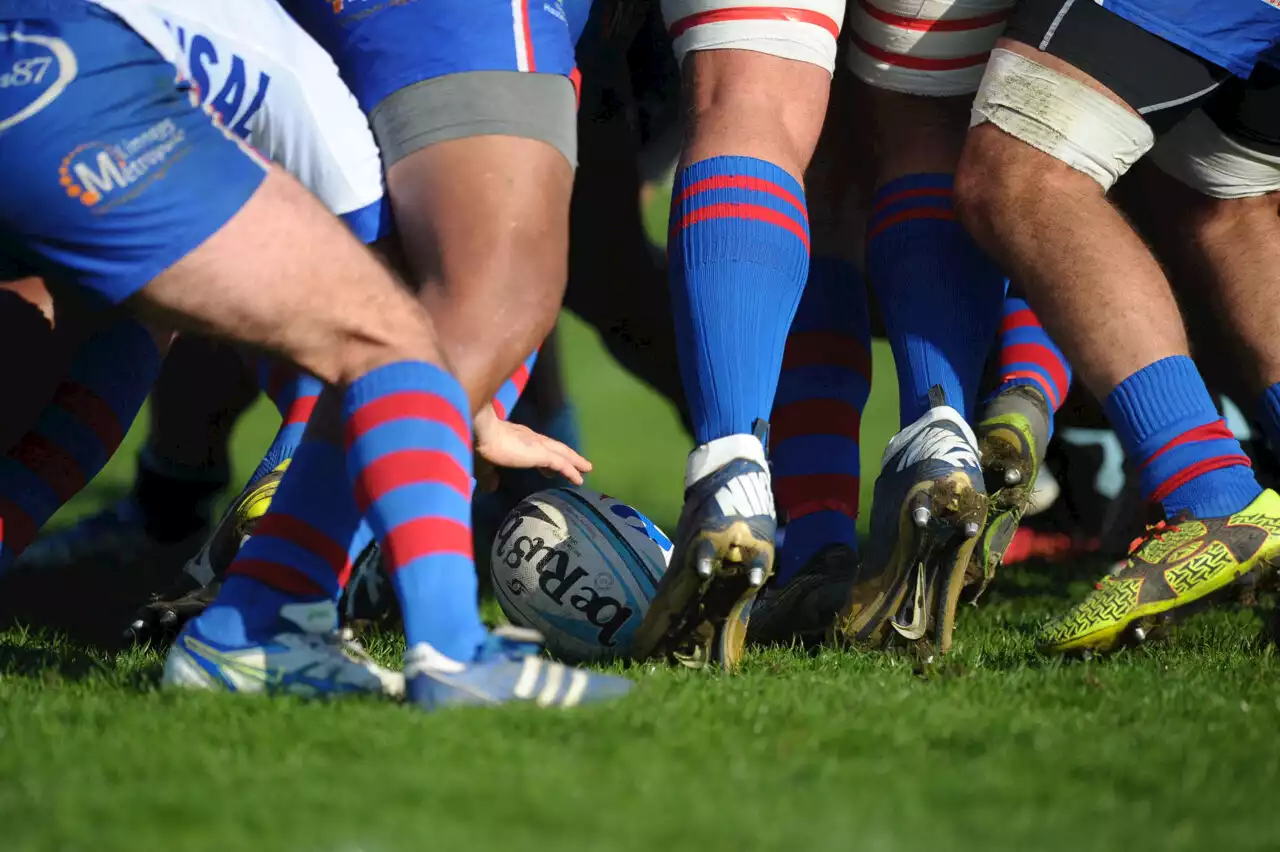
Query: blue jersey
{"points": [[1234, 34], [382, 47]]}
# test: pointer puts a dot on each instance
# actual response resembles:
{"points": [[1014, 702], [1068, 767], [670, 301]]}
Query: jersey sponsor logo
{"points": [[36, 79], [746, 495], [240, 94], [102, 175], [939, 444]]}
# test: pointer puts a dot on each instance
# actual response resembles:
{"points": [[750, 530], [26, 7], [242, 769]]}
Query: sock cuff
{"points": [[733, 166], [911, 198], [403, 376], [1157, 403]]}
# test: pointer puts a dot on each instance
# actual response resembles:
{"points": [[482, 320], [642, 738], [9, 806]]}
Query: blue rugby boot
{"points": [[723, 555], [508, 668], [305, 655], [927, 512]]}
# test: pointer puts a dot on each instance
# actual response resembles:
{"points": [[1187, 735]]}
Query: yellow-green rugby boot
{"points": [[1173, 565]]}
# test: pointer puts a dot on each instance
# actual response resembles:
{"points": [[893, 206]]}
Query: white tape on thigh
{"points": [[1209, 161], [924, 47], [1060, 116], [805, 31]]}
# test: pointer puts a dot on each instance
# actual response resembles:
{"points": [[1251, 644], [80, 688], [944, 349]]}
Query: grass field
{"points": [[1165, 748]]}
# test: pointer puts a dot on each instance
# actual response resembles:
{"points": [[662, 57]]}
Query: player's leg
{"points": [[1068, 102], [182, 469], [1015, 423], [917, 68], [756, 83]]}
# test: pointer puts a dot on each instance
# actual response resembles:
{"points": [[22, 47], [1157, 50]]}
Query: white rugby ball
{"points": [[579, 567]]}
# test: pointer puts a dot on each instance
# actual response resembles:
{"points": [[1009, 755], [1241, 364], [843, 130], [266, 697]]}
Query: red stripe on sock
{"points": [[1024, 318], [17, 529], [803, 495], [302, 534], [425, 537], [499, 409], [815, 417], [1191, 471], [913, 214], [908, 194], [826, 349], [918, 63], [754, 13], [300, 410], [277, 576], [405, 405], [91, 410], [935, 25], [1054, 401], [409, 467], [49, 461], [753, 212], [1040, 355], [1214, 431], [278, 377], [742, 182]]}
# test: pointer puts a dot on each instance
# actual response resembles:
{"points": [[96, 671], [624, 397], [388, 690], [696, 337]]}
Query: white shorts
{"points": [[274, 86], [920, 47], [1199, 154]]}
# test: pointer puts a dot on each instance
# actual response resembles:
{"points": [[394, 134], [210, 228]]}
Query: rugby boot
{"points": [[508, 668], [369, 597], [926, 516], [1175, 564], [304, 655], [723, 555], [118, 535], [1012, 437], [805, 609], [198, 583]]}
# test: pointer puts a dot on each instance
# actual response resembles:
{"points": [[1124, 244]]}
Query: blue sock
{"points": [[509, 394], [409, 456], [295, 398], [1269, 416], [1186, 457], [817, 416], [939, 294], [1028, 356], [301, 549], [77, 432], [738, 257]]}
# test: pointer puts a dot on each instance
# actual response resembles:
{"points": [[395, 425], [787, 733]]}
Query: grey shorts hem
{"points": [[477, 103]]}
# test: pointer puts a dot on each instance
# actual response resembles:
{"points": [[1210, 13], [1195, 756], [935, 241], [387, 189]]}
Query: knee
{"points": [[754, 104], [1001, 179]]}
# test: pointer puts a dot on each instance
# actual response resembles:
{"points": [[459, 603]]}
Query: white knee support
{"points": [[1060, 116], [1199, 154], [924, 47], [805, 31]]}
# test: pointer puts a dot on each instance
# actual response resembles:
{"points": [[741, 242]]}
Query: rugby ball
{"points": [[580, 568]]}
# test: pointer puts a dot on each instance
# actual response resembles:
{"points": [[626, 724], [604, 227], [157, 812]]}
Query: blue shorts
{"points": [[114, 173], [382, 46]]}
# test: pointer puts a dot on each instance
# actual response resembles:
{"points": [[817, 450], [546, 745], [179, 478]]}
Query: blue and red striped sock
{"points": [[1028, 356], [509, 394], [77, 433], [939, 293], [817, 416], [301, 549], [1187, 458], [295, 394], [408, 435], [738, 257]]}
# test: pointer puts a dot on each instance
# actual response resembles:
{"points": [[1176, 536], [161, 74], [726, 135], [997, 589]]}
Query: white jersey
{"points": [[272, 85]]}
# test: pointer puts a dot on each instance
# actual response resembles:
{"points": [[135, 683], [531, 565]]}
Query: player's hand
{"points": [[503, 444]]}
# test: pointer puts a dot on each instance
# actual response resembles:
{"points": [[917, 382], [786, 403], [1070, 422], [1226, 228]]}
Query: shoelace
{"points": [[1154, 532]]}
